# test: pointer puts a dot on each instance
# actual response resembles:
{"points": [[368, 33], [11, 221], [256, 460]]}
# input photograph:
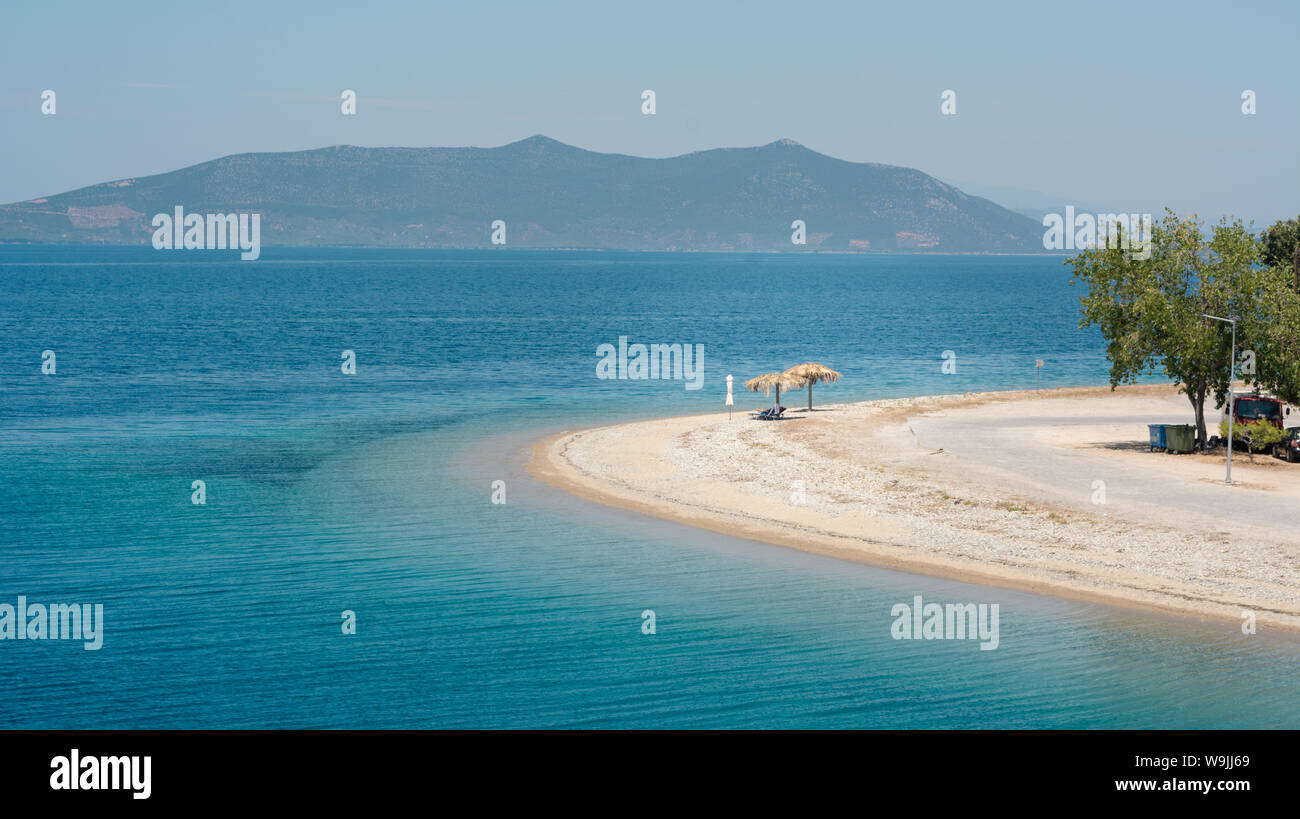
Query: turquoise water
{"points": [[372, 493]]}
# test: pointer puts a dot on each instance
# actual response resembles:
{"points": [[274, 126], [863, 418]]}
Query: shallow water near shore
{"points": [[372, 493]]}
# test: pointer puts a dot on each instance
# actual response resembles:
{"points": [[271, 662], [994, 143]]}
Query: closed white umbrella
{"points": [[730, 401]]}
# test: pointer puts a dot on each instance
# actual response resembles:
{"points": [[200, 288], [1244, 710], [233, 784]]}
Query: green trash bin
{"points": [[1180, 437]]}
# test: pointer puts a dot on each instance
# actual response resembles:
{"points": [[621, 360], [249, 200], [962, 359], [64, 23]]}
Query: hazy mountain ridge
{"points": [[550, 195]]}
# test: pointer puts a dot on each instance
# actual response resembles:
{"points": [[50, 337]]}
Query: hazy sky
{"points": [[1131, 105]]}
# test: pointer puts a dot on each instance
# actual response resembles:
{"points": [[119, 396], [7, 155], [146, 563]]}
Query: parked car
{"points": [[1289, 447]]}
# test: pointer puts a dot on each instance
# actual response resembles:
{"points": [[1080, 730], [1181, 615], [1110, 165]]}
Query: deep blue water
{"points": [[371, 493]]}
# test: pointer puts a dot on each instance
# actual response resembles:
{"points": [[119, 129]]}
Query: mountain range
{"points": [[549, 195]]}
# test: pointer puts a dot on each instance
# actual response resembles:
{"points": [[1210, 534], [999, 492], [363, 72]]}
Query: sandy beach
{"points": [[1053, 492]]}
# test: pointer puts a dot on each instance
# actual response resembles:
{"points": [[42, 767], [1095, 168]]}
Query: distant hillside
{"points": [[550, 195], [1033, 204]]}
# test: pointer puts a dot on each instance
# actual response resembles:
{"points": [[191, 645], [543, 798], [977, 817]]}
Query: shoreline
{"points": [[664, 468]]}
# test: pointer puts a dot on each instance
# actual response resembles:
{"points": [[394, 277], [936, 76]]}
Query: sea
{"points": [[370, 551]]}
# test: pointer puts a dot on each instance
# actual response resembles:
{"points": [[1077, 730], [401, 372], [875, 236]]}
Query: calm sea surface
{"points": [[372, 493]]}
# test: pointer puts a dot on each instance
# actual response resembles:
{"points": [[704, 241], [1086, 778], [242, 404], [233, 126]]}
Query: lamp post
{"points": [[1232, 376]]}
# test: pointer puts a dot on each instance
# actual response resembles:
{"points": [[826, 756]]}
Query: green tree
{"points": [[1279, 243], [1256, 435], [1151, 311], [1274, 331], [1278, 334]]}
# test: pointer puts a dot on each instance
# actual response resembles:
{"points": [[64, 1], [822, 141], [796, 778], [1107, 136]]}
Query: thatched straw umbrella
{"points": [[765, 382], [810, 374]]}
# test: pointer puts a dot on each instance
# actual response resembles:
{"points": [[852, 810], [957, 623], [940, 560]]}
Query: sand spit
{"points": [[1052, 492]]}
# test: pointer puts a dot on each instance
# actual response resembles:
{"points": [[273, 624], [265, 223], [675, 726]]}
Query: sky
{"points": [[1133, 106]]}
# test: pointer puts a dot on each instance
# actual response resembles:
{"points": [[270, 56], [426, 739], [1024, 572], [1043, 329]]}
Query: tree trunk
{"points": [[1198, 405]]}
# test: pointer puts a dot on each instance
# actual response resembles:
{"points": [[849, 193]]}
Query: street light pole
{"points": [[1232, 377]]}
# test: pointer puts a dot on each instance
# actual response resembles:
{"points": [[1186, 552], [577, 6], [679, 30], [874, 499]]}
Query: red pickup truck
{"points": [[1252, 407]]}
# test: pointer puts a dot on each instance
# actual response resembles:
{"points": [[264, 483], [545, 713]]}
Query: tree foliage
{"points": [[1151, 312], [1279, 241], [1279, 329], [1258, 436]]}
